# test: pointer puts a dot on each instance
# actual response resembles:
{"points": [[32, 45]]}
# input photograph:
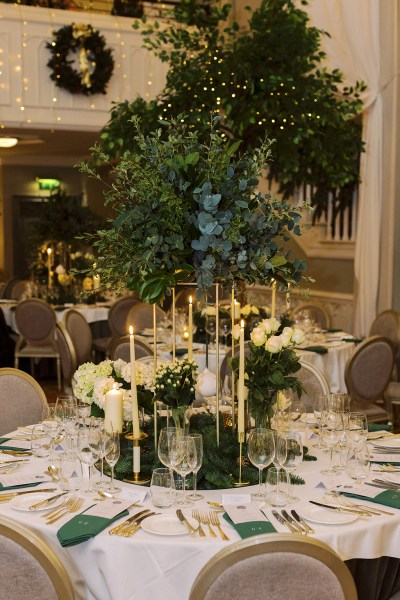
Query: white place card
{"points": [[133, 495], [393, 457], [235, 499], [109, 508], [245, 513], [12, 480]]}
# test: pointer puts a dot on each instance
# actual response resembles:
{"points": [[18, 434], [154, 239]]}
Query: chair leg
{"points": [[16, 362], [59, 373], [32, 363]]}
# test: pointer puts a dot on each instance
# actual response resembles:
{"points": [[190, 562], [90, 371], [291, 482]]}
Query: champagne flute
{"points": [[280, 450], [294, 457], [261, 452], [319, 407], [183, 459], [225, 325], [331, 431], [112, 454], [164, 444], [198, 440], [86, 454]]}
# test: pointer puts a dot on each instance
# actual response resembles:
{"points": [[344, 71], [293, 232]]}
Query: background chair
{"points": [[19, 289], [29, 567], [141, 316], [80, 334], [67, 355], [313, 381], [36, 322], [314, 311], [21, 400], [272, 567], [387, 324], [117, 319], [120, 348], [182, 298], [367, 376]]}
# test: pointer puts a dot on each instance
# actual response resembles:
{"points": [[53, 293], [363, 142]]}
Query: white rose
{"points": [[298, 336], [255, 310], [258, 336], [266, 325], [275, 324], [236, 331], [286, 340], [273, 344], [245, 310]]}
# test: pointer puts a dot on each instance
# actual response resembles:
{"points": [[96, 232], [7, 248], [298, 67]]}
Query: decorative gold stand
{"points": [[137, 478]]}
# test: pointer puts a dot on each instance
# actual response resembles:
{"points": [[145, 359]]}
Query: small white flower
{"points": [[236, 331]]}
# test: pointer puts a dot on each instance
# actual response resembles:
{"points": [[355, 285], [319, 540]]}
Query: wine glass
{"points": [[318, 408], [97, 443], [298, 412], [164, 444], [112, 454], [70, 423], [331, 429], [225, 326], [210, 327], [86, 454], [51, 426], [261, 452], [358, 463], [294, 457], [280, 450], [198, 440], [357, 432], [183, 459]]}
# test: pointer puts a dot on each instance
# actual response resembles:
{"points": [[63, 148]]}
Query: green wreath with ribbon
{"points": [[95, 60]]}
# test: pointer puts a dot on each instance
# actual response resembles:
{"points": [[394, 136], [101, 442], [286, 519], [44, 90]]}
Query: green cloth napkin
{"points": [[378, 427], [82, 528], [317, 349], [251, 528], [387, 498], [2, 440], [352, 339], [333, 330], [17, 487], [180, 351]]}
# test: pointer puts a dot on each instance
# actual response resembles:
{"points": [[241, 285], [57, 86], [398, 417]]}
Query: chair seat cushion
{"points": [[373, 411], [37, 350], [101, 344]]}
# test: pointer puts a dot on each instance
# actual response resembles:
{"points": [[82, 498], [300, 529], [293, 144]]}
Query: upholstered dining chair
{"points": [[19, 289], [313, 381], [275, 566], [182, 298], [66, 350], [318, 313], [120, 348], [117, 321], [367, 375], [36, 323], [80, 334], [141, 316], [387, 324], [29, 567], [21, 400]]}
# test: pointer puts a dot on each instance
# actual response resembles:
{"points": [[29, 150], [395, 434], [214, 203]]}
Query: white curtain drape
{"points": [[354, 48]]}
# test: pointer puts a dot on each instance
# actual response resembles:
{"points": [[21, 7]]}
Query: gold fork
{"points": [[215, 521], [71, 509], [53, 511], [206, 521], [196, 515]]}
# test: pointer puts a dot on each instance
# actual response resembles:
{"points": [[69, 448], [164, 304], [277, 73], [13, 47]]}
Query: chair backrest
{"points": [[120, 348], [182, 298], [317, 312], [29, 567], [67, 355], [369, 369], [35, 319], [19, 289], [275, 566], [225, 368], [387, 324], [313, 381], [80, 334], [9, 284], [21, 400], [141, 316], [118, 314]]}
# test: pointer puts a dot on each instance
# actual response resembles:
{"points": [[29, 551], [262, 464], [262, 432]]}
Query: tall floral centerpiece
{"points": [[270, 366], [174, 385]]}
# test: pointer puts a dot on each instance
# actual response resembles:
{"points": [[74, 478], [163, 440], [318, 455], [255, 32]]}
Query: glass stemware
{"points": [[210, 327], [112, 454], [358, 463], [280, 450], [164, 444], [357, 432], [294, 457], [52, 427], [198, 440], [319, 407], [97, 443], [183, 459], [261, 452], [225, 326], [86, 454], [331, 429]]}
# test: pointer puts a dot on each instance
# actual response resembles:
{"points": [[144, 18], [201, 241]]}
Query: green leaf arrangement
{"points": [[188, 205]]}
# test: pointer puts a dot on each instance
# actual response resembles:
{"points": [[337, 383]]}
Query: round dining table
{"points": [[164, 567]]}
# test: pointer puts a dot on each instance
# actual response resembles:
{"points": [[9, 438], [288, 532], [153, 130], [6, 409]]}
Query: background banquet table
{"points": [[161, 567]]}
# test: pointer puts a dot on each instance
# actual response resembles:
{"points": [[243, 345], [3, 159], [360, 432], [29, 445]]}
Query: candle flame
{"points": [[242, 324], [115, 386], [130, 330], [49, 251], [190, 300]]}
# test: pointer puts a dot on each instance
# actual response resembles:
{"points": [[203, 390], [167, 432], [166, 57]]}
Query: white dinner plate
{"points": [[166, 525], [25, 501], [388, 443], [325, 516]]}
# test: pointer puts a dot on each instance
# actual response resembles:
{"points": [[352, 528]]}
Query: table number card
{"points": [[244, 513]]}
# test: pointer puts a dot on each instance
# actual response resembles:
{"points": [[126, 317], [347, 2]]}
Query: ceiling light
{"points": [[8, 142]]}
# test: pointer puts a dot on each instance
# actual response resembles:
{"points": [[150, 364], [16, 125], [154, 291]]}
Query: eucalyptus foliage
{"points": [[266, 78], [185, 203]]}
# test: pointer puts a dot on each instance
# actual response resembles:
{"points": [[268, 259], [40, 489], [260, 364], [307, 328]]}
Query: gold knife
{"points": [[46, 501], [184, 520], [6, 496], [118, 528]]}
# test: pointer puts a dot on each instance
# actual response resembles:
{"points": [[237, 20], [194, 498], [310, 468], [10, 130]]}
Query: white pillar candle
{"points": [[233, 317], [173, 326], [135, 410], [241, 381], [288, 299], [190, 340], [113, 410], [155, 370], [49, 266], [273, 299], [237, 309]]}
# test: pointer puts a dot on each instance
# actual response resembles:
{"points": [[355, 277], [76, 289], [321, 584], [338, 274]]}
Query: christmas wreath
{"points": [[95, 60]]}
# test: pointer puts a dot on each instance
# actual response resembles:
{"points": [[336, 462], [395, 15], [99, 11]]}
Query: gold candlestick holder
{"points": [[137, 478]]}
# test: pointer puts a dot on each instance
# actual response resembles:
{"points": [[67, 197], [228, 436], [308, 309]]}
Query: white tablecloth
{"points": [[154, 567], [332, 364], [92, 313]]}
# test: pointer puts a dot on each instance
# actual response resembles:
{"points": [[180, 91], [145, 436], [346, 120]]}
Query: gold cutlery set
{"points": [[209, 519], [294, 523], [7, 496], [71, 505], [131, 525]]}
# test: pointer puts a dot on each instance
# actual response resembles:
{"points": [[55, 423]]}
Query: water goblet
{"points": [[357, 432], [261, 452], [198, 440], [162, 488], [86, 454], [331, 431], [40, 441], [294, 457], [51, 426], [358, 463], [70, 474], [183, 459], [277, 486], [112, 454]]}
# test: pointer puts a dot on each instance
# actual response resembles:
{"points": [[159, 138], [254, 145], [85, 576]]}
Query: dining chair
{"points": [[225, 368], [120, 348], [387, 324], [313, 381], [117, 321], [19, 289], [29, 567], [272, 567], [317, 312], [140, 316], [367, 375], [182, 298], [80, 334], [66, 350], [21, 400], [36, 323]]}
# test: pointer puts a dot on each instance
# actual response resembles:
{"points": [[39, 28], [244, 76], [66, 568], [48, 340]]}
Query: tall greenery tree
{"points": [[266, 79]]}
